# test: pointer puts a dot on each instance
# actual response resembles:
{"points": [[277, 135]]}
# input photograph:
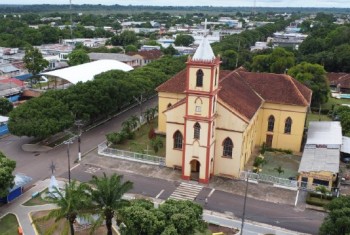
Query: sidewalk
{"points": [[261, 191]]}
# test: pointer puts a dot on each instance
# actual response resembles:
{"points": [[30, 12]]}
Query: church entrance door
{"points": [[195, 168]]}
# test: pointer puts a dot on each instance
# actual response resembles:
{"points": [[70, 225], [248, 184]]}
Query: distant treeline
{"points": [[207, 9]]}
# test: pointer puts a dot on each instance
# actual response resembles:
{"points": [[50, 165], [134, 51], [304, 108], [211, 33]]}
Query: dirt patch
{"points": [[217, 229], [56, 228]]}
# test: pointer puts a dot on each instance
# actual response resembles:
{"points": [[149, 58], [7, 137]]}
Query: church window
{"points": [[198, 109], [177, 140], [199, 80], [271, 123], [214, 102], [216, 76], [227, 147], [288, 126], [197, 130], [213, 130]]}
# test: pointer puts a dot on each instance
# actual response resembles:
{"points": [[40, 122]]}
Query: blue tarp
{"points": [[14, 98], [24, 76], [3, 129], [20, 181]]}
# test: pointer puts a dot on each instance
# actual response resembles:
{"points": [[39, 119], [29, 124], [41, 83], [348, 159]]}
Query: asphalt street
{"points": [[280, 215]]}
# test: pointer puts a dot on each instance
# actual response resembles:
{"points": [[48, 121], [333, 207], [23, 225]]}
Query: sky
{"points": [[232, 3]]}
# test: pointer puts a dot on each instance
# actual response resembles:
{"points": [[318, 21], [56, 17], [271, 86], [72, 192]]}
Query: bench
{"points": [[177, 167]]}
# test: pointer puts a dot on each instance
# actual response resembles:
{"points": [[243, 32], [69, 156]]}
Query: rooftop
{"points": [[111, 56], [319, 159], [324, 133], [204, 51]]}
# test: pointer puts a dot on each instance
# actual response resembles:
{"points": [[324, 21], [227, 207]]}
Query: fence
{"points": [[104, 150], [293, 184]]}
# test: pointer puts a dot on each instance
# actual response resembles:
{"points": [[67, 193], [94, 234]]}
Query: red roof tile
{"points": [[278, 88], [339, 79], [148, 55], [245, 91]]}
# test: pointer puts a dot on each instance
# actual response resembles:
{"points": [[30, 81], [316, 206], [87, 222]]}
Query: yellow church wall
{"points": [[202, 102], [229, 121], [281, 112], [175, 121], [224, 165], [164, 99], [196, 149], [206, 78]]}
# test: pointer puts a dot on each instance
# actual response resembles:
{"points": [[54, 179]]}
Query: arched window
{"points": [[271, 123], [177, 140], [288, 126], [199, 80], [214, 102], [227, 147], [197, 130], [169, 105], [216, 76], [213, 130]]}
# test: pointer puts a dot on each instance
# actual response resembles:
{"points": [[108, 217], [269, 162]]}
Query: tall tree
{"points": [[5, 106], [337, 222], [77, 57], [183, 40], [314, 77], [72, 201], [34, 61], [107, 195], [7, 166]]}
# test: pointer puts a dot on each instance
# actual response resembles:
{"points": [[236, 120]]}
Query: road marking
{"points": [[211, 192], [74, 167], [186, 191], [160, 193], [92, 170]]}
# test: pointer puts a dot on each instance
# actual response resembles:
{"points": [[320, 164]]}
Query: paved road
{"points": [[36, 165], [280, 215]]}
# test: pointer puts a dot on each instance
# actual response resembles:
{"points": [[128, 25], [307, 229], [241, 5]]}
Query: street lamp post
{"points": [[79, 124], [68, 142]]}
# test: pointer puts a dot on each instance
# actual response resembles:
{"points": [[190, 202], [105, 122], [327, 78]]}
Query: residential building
{"points": [[214, 119], [320, 161], [129, 60], [146, 56]]}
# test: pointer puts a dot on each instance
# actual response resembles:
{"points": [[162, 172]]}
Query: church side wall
{"points": [[281, 112], [164, 99]]}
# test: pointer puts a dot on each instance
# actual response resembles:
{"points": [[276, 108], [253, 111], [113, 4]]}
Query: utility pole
{"points": [[79, 124], [68, 142], [139, 101]]}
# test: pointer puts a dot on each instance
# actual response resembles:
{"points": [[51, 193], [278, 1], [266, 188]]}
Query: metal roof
{"points": [[319, 159], [86, 72], [111, 56], [324, 133], [345, 147]]}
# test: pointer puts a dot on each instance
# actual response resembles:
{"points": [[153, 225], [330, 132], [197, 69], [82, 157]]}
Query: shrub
{"points": [[315, 199]]}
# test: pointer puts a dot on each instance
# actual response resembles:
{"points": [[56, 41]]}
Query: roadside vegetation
{"points": [[8, 225]]}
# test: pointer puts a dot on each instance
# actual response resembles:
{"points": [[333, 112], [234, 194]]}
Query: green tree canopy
{"points": [[279, 61], [7, 166], [77, 57], [40, 117], [338, 219], [5, 106], [183, 40], [314, 77], [34, 61], [171, 218], [124, 39]]}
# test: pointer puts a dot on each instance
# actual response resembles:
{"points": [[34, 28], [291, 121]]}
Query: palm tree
{"points": [[279, 170], [72, 201], [323, 190], [135, 121], [107, 195]]}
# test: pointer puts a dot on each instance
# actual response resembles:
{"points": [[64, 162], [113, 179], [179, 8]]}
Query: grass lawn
{"points": [[141, 143], [8, 225], [38, 200], [315, 117], [55, 228], [289, 163], [333, 101]]}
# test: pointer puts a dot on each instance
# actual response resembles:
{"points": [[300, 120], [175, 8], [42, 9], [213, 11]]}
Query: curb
{"points": [[33, 225]]}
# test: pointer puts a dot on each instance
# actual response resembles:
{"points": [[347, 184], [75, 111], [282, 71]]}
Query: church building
{"points": [[213, 119]]}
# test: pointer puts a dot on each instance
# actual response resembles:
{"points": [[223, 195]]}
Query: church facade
{"points": [[213, 119]]}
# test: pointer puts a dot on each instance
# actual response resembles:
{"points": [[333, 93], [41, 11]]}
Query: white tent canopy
{"points": [[86, 72]]}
